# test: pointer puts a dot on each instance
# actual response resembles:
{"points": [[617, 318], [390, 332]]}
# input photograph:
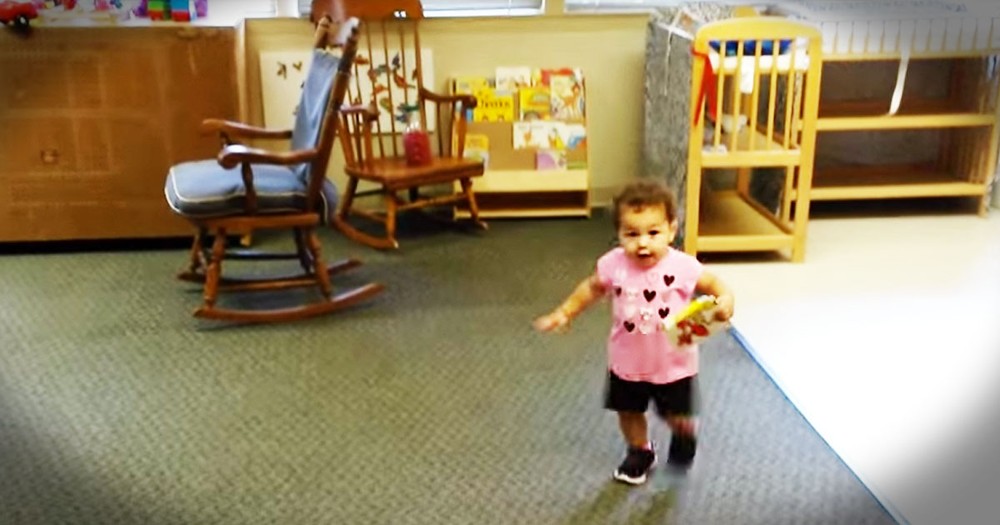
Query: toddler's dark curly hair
{"points": [[644, 193]]}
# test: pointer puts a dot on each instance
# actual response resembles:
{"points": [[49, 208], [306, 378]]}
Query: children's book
{"points": [[566, 89], [469, 85], [547, 159], [695, 323], [512, 78], [575, 136], [534, 103], [493, 105], [539, 134], [477, 146]]}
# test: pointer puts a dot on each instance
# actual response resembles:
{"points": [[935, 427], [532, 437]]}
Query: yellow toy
{"points": [[695, 323]]}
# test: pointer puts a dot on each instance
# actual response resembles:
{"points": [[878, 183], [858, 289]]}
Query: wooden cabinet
{"points": [[92, 118]]}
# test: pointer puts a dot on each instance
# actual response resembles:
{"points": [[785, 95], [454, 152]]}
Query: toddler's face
{"points": [[645, 233]]}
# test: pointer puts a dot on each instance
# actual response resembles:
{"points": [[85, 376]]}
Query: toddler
{"points": [[646, 280]]}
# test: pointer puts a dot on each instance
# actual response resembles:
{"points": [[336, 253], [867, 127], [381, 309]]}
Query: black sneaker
{"points": [[638, 462], [681, 453]]}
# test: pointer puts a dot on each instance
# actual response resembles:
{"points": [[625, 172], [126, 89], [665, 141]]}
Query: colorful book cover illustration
{"points": [[695, 323], [477, 146], [547, 160], [493, 105], [469, 85], [566, 88], [575, 135], [513, 78], [541, 134], [534, 103]]}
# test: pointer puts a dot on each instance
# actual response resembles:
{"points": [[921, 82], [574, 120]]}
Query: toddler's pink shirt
{"points": [[638, 348]]}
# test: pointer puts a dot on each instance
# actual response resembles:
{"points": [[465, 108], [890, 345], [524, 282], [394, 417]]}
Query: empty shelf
{"points": [[861, 115], [882, 182], [730, 223]]}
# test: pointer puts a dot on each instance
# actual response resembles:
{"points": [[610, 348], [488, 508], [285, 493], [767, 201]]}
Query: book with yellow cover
{"points": [[469, 84], [534, 103], [477, 146], [493, 106]]}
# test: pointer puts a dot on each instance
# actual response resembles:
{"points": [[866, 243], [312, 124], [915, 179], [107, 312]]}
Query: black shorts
{"points": [[671, 399]]}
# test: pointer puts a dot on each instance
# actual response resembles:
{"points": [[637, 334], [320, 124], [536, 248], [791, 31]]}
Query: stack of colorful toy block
{"points": [[158, 9], [182, 10]]}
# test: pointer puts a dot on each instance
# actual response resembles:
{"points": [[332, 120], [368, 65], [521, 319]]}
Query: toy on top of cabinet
{"points": [[181, 10], [17, 13]]}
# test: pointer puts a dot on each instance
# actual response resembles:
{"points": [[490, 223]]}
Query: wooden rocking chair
{"points": [[389, 77], [272, 190]]}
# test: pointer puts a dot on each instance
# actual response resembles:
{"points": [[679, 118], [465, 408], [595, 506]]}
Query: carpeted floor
{"points": [[433, 404]]}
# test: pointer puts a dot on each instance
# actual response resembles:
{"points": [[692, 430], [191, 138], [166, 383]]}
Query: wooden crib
{"points": [[754, 102]]}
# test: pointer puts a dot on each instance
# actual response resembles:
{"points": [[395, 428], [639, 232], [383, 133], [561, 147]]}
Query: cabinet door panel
{"points": [[91, 119]]}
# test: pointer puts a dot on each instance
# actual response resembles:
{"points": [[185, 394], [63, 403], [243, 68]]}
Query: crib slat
{"points": [[719, 91], [772, 94], [737, 80], [754, 97]]}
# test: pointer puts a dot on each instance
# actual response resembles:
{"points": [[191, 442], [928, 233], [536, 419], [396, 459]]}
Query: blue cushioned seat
{"points": [[204, 189]]}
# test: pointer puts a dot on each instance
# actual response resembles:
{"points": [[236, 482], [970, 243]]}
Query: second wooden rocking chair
{"points": [[389, 82]]}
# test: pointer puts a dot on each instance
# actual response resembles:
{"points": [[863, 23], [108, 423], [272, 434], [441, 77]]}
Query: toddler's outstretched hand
{"points": [[555, 321], [723, 307]]}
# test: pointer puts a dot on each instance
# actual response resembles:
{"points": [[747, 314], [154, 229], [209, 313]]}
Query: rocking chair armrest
{"points": [[236, 154], [363, 109], [468, 101], [239, 129]]}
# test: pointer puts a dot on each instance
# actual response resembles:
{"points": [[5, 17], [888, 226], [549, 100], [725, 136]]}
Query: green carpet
{"points": [[434, 403]]}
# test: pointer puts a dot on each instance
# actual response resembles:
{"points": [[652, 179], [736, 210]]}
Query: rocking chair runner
{"points": [[388, 77], [272, 190]]}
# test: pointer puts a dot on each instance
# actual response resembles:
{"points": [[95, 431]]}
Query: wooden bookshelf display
{"points": [[522, 178], [964, 121]]}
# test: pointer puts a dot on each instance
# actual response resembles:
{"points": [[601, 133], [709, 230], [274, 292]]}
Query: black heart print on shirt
{"points": [[668, 279], [649, 295]]}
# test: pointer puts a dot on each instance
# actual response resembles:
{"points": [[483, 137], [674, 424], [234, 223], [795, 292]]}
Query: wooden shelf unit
{"points": [[968, 118], [961, 108], [532, 193], [511, 186]]}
